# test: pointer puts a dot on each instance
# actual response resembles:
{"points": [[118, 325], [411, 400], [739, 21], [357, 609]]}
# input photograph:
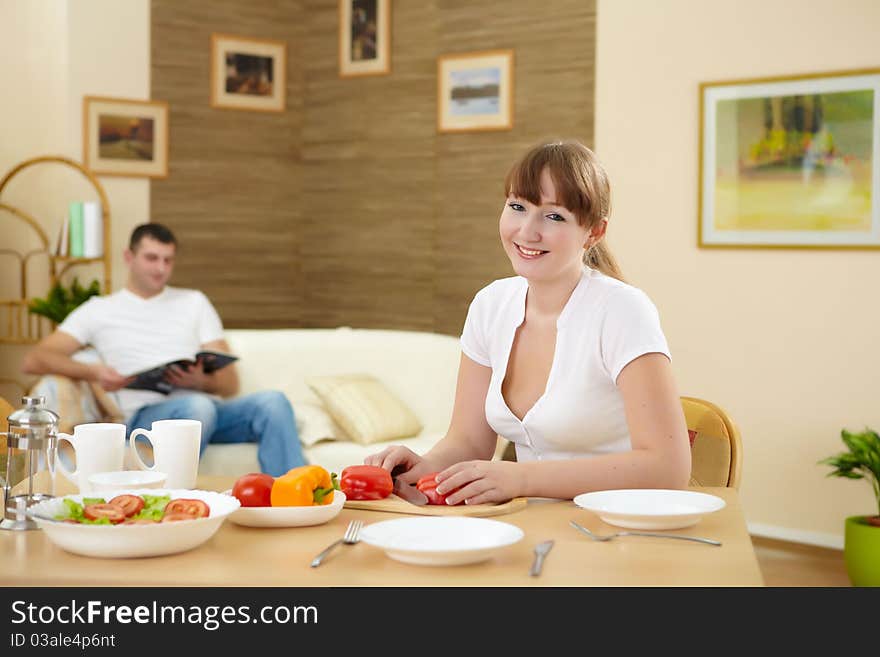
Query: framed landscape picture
{"points": [[791, 162], [125, 137], [475, 91], [364, 37], [248, 73]]}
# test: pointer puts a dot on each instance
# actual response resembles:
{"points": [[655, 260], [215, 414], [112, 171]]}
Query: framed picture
{"points": [[125, 137], [475, 91], [791, 162], [248, 74], [364, 37]]}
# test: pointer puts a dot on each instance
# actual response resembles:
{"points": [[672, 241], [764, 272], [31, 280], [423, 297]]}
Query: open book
{"points": [[154, 378]]}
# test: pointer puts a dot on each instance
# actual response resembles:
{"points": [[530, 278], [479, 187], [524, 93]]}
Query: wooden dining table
{"points": [[275, 557]]}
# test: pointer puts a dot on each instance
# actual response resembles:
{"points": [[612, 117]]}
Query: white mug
{"points": [[176, 446], [99, 447]]}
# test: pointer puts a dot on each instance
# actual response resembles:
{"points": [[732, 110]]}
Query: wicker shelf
{"points": [[20, 326], [74, 260]]}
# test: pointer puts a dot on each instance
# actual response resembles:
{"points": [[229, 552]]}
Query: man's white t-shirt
{"points": [[132, 334], [605, 325]]}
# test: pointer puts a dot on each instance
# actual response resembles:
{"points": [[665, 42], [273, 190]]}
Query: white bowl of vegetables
{"points": [[133, 523]]}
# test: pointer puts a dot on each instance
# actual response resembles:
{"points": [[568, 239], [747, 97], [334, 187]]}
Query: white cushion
{"points": [[314, 424], [365, 409]]}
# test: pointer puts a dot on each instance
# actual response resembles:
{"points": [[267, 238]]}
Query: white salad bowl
{"points": [[288, 516], [136, 540]]}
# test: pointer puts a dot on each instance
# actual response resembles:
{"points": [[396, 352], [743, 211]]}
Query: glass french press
{"points": [[31, 444]]}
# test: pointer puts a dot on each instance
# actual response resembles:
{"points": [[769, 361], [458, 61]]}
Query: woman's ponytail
{"points": [[599, 257]]}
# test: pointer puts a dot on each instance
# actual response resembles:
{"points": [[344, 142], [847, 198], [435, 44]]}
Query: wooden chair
{"points": [[6, 410], [716, 444]]}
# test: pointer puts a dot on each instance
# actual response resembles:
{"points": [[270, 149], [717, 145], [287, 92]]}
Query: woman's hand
{"points": [[414, 465], [479, 482]]}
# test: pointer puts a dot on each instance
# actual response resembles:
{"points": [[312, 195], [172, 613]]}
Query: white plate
{"points": [[119, 541], [287, 516], [439, 540], [650, 508]]}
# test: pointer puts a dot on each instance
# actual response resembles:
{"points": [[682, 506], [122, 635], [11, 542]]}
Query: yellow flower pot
{"points": [[862, 551]]}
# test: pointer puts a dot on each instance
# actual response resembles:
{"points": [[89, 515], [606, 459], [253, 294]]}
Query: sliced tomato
{"points": [[174, 517], [130, 504], [97, 511], [142, 521], [193, 508]]}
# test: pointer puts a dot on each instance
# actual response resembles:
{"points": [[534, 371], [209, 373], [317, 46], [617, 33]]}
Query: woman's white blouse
{"points": [[604, 325]]}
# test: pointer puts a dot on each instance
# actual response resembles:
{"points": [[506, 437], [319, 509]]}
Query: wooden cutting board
{"points": [[395, 504]]}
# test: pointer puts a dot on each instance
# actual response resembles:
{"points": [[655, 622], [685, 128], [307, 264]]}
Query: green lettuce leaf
{"points": [[154, 507], [74, 511]]}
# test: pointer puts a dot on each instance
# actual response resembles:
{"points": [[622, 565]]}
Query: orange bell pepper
{"points": [[308, 485]]}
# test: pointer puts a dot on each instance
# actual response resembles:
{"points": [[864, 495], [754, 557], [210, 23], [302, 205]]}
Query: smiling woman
{"points": [[564, 359]]}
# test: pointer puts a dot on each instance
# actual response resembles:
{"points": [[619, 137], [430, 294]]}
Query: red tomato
{"points": [[174, 517], [365, 482], [254, 489], [130, 504], [97, 511], [192, 508]]}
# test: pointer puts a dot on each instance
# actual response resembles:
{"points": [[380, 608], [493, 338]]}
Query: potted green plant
{"points": [[61, 301], [862, 533]]}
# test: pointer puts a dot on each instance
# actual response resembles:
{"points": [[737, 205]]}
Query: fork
{"points": [[608, 537], [541, 550], [351, 536]]}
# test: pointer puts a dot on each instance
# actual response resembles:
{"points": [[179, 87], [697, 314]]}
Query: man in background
{"points": [[148, 323]]}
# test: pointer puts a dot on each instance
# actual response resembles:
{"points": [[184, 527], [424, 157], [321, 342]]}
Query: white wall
{"points": [[110, 56], [785, 340], [55, 52]]}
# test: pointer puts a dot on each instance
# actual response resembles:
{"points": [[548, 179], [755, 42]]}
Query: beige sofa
{"points": [[419, 368]]}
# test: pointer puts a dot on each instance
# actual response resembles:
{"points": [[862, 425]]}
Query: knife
{"points": [[407, 492]]}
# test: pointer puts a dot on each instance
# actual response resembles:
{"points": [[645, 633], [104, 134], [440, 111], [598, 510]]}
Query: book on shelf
{"points": [[93, 230], [61, 242], [76, 229], [154, 378]]}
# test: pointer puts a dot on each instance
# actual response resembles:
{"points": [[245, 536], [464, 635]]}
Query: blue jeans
{"points": [[263, 417]]}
